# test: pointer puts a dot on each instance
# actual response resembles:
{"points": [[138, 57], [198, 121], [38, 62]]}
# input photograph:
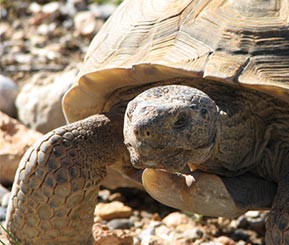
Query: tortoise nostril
{"points": [[141, 132]]}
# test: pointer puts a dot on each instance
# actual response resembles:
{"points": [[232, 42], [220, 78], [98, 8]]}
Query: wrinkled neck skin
{"points": [[239, 143]]}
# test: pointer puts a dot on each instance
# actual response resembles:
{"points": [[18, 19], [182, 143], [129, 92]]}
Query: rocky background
{"points": [[42, 43]]}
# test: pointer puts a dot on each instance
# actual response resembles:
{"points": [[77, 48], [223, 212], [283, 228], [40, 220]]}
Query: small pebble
{"points": [[193, 233], [3, 212], [120, 224], [175, 219], [252, 214], [8, 93], [116, 209], [147, 232], [86, 24], [5, 199], [3, 191], [103, 195], [225, 240], [152, 239], [51, 8]]}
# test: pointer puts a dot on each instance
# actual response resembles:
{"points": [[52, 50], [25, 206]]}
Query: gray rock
{"points": [[39, 102], [8, 93], [193, 234], [149, 231], [5, 199], [3, 212], [119, 224], [102, 11], [3, 191]]}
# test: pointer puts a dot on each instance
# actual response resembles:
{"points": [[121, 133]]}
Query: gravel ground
{"points": [[39, 36]]}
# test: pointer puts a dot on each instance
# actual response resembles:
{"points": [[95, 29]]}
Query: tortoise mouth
{"points": [[172, 160], [186, 172]]}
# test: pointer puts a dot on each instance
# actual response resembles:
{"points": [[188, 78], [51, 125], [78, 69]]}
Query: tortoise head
{"points": [[170, 126]]}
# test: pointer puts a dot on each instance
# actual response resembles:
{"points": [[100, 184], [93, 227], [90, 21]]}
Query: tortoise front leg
{"points": [[56, 185], [277, 224]]}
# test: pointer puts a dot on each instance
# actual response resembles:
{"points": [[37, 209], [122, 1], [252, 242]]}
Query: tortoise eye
{"points": [[194, 107], [181, 122], [203, 112]]}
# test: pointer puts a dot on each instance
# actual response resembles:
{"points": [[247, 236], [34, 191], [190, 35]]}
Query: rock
{"points": [[15, 139], [35, 8], [191, 234], [119, 224], [52, 8], [150, 230], [175, 219], [23, 58], [5, 31], [8, 93], [86, 24], [46, 29], [163, 232], [211, 243], [103, 236], [3, 212], [113, 210], [224, 240], [116, 197], [153, 239], [106, 10], [5, 199], [252, 214], [102, 11], [39, 102], [3, 191], [103, 195]]}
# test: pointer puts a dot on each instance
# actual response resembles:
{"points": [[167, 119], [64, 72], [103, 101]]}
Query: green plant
{"points": [[12, 238]]}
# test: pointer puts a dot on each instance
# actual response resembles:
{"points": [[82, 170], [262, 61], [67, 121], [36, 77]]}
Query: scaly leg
{"points": [[56, 185], [277, 224]]}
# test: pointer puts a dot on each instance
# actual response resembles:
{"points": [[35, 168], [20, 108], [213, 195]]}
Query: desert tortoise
{"points": [[221, 106]]}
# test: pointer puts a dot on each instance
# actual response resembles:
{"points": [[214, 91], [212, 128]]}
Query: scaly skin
{"points": [[57, 182], [277, 223]]}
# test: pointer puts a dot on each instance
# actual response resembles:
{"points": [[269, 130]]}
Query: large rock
{"points": [[39, 102], [112, 210], [15, 139], [86, 24], [8, 93]]}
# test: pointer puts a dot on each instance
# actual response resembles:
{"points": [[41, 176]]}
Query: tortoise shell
{"points": [[240, 42]]}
